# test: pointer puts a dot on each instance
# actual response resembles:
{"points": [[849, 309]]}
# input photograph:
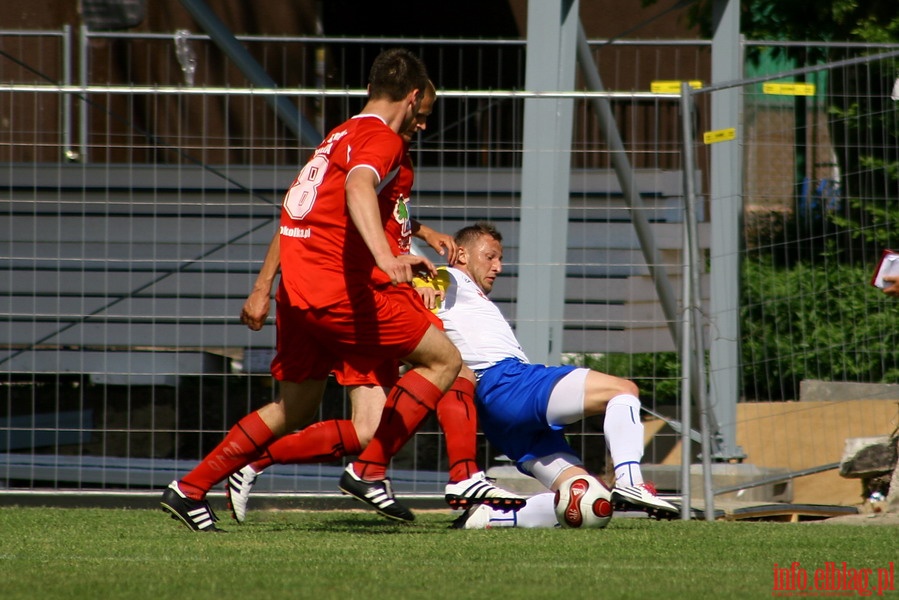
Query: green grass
{"points": [[105, 553]]}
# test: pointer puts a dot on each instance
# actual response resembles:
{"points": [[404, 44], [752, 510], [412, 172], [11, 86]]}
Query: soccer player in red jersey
{"points": [[342, 296], [333, 439]]}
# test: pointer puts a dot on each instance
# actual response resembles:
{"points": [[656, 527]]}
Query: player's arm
{"points": [[256, 307], [362, 205], [442, 243]]}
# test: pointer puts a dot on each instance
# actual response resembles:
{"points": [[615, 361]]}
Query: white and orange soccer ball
{"points": [[583, 502]]}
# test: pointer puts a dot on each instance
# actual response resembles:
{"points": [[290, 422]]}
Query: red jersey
{"points": [[324, 259]]}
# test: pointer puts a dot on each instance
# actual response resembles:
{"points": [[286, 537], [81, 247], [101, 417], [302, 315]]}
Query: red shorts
{"points": [[357, 338], [384, 375]]}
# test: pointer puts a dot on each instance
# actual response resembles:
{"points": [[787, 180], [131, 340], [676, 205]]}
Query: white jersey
{"points": [[475, 325]]}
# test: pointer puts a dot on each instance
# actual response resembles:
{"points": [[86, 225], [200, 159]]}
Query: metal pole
{"points": [[628, 183], [692, 307], [686, 393], [83, 76], [66, 113], [726, 210]]}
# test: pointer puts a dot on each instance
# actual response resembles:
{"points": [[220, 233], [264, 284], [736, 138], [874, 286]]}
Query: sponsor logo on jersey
{"points": [[296, 232], [401, 216]]}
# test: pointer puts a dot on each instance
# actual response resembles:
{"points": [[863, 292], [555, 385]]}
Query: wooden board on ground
{"points": [[803, 435], [773, 511]]}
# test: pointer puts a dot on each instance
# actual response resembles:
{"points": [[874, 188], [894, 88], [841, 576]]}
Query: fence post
{"points": [[726, 210], [692, 342], [83, 76], [66, 111], [545, 179]]}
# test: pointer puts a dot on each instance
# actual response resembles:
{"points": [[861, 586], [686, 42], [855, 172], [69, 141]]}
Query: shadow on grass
{"points": [[342, 524]]}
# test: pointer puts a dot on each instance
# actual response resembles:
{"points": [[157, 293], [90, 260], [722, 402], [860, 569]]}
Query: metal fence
{"points": [[818, 137], [141, 181]]}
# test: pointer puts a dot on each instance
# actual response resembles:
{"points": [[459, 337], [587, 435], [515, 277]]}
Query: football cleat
{"points": [[237, 489], [643, 497], [377, 494], [476, 517], [478, 489], [196, 515]]}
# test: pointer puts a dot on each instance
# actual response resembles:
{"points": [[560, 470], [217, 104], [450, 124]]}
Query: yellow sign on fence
{"points": [[671, 87], [789, 89], [719, 135]]}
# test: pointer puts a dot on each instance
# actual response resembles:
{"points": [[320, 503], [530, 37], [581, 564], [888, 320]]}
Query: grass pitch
{"points": [[53, 553]]}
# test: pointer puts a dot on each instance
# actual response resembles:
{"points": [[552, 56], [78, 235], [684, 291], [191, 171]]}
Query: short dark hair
{"points": [[395, 73], [471, 233]]}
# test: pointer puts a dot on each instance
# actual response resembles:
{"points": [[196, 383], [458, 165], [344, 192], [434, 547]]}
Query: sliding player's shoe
{"points": [[478, 489], [643, 497], [238, 491], [476, 517], [196, 515], [377, 494]]}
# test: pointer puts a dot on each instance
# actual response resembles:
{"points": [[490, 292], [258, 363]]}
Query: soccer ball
{"points": [[583, 502]]}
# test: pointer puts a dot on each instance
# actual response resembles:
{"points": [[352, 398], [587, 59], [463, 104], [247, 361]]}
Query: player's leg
{"points": [[468, 484], [584, 393], [552, 470], [592, 393], [394, 324], [325, 441], [330, 440], [185, 499], [436, 366], [539, 512], [410, 401], [458, 419]]}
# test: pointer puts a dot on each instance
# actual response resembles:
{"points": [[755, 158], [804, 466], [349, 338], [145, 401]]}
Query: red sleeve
{"points": [[381, 150]]}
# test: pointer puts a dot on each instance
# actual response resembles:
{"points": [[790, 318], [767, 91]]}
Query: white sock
{"points": [[538, 512], [624, 437]]}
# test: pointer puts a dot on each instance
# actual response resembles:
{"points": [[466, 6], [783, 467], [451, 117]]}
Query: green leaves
{"points": [[820, 321]]}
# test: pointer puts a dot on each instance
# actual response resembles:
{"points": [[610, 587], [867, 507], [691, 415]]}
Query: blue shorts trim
{"points": [[511, 398]]}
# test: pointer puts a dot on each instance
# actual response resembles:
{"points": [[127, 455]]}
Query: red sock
{"points": [[459, 421], [245, 442], [408, 404], [325, 441]]}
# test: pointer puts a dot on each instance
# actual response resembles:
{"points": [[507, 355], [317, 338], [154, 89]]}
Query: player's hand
{"points": [[255, 310], [444, 245], [402, 268], [430, 297], [893, 289]]}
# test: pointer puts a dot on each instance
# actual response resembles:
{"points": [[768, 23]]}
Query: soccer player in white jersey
{"points": [[522, 406]]}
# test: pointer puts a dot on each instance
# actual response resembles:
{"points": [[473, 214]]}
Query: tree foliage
{"points": [[814, 321], [872, 21], [806, 310]]}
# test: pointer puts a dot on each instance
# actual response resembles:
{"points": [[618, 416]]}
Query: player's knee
{"points": [[603, 389], [449, 361], [618, 386], [455, 362], [628, 387]]}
